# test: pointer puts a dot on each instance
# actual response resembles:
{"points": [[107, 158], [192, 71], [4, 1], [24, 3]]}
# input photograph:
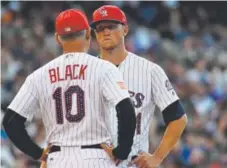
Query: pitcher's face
{"points": [[109, 34]]}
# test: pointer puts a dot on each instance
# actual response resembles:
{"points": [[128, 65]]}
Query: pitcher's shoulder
{"points": [[142, 61]]}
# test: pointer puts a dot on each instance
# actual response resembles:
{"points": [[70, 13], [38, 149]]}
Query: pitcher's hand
{"points": [[146, 160]]}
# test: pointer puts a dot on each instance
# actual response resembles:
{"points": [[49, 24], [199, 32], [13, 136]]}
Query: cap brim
{"points": [[93, 25]]}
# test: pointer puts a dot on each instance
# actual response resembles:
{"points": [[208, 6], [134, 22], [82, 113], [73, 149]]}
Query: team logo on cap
{"points": [[103, 12]]}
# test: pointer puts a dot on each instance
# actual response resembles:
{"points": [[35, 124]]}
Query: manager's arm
{"points": [[14, 125], [116, 93], [126, 128]]}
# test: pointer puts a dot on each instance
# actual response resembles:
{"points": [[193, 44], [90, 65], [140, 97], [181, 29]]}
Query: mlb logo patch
{"points": [[67, 29]]}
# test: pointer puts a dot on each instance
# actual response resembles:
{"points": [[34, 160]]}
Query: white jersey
{"points": [[71, 93], [148, 86]]}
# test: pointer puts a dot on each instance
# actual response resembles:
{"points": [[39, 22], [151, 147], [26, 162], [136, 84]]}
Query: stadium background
{"points": [[188, 39]]}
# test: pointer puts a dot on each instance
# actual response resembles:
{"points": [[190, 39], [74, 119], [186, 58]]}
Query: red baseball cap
{"points": [[108, 13], [71, 20]]}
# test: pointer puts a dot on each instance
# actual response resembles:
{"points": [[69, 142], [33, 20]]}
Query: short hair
{"points": [[71, 36]]}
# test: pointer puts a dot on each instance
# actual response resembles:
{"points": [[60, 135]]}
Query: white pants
{"points": [[75, 157]]}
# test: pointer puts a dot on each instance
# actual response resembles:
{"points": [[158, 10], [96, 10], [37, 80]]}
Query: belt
{"points": [[55, 148]]}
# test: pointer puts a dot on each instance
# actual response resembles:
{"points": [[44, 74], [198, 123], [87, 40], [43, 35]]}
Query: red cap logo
{"points": [[108, 13], [103, 12]]}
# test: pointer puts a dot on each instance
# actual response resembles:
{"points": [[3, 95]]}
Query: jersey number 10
{"points": [[57, 96]]}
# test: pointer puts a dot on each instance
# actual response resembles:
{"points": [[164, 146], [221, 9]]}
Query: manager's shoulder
{"points": [[48, 64], [40, 72]]}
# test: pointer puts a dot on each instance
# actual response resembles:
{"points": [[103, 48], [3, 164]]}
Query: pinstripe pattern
{"points": [[74, 157], [148, 79], [100, 89]]}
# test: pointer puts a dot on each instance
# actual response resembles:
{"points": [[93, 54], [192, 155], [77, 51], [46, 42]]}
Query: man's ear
{"points": [[88, 34], [88, 39], [57, 39], [126, 29]]}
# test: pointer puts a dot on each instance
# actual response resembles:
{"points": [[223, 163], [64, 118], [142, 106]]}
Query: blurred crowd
{"points": [[188, 39]]}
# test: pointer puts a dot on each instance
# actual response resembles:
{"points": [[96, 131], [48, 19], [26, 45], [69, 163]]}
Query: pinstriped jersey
{"points": [[72, 93], [148, 87]]}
